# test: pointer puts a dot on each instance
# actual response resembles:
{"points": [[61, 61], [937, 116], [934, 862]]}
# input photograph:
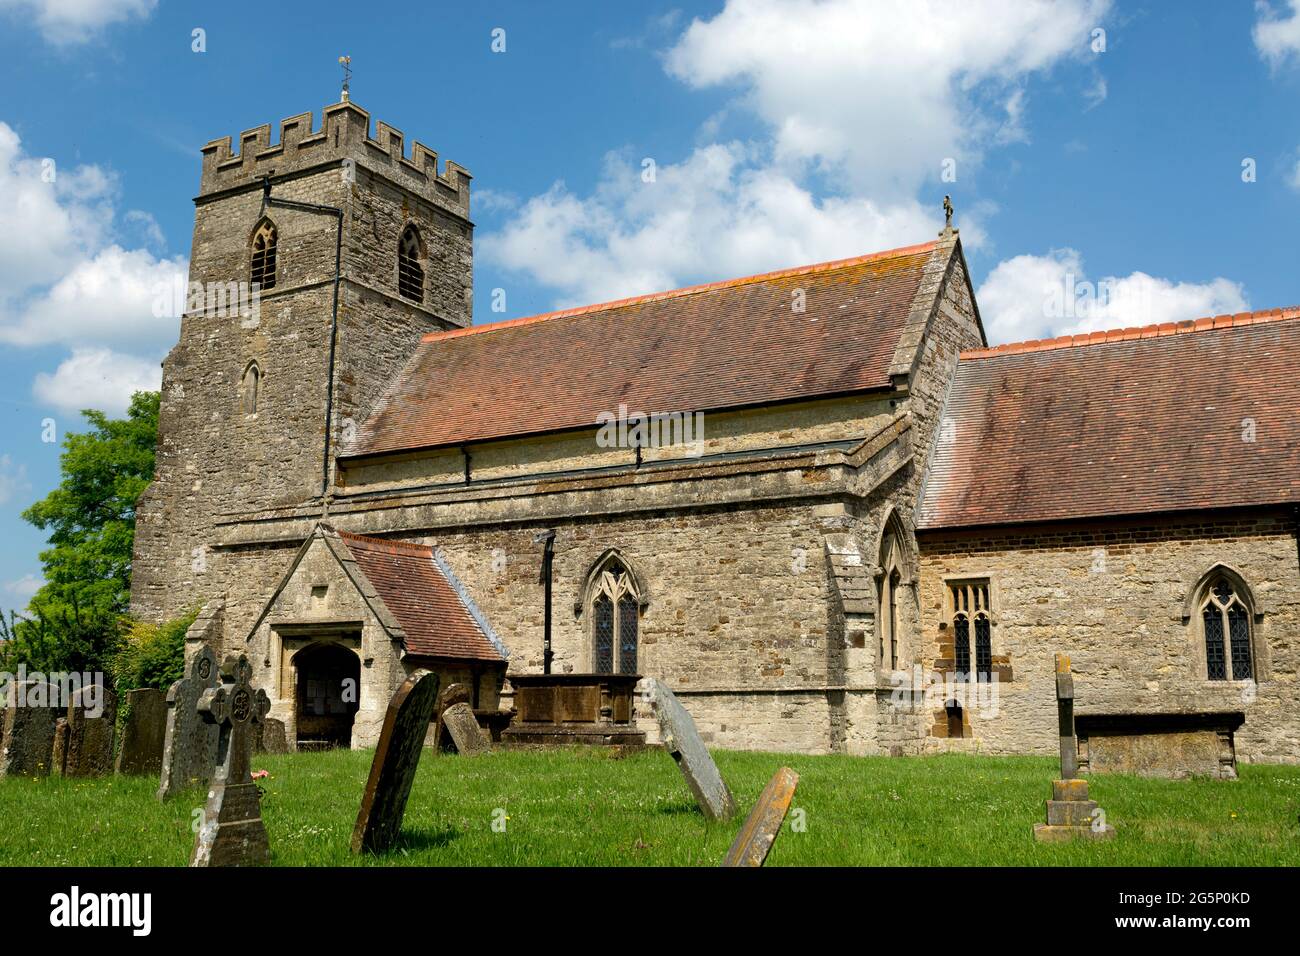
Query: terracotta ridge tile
{"points": [[383, 544], [684, 291], [1138, 332]]}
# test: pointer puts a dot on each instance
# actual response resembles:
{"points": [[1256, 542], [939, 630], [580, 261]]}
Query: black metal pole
{"points": [[548, 553]]}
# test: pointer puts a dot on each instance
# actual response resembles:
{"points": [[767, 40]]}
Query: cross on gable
{"points": [[234, 706]]}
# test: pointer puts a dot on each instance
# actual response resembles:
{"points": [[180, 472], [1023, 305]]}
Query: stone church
{"points": [[815, 503]]}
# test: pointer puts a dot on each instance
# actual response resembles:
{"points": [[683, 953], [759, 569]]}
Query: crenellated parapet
{"points": [[344, 134]]}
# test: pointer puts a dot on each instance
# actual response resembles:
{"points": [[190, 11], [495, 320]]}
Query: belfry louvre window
{"points": [[971, 619], [410, 274], [1226, 622], [615, 613], [262, 274]]}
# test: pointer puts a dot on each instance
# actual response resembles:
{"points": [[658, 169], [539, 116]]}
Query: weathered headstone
{"points": [[682, 741], [1070, 814], [190, 744], [141, 749], [59, 758], [406, 723], [27, 741], [457, 693], [461, 733], [762, 826], [271, 737], [91, 720], [232, 833]]}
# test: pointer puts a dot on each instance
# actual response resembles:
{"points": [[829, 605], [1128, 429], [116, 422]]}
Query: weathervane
{"points": [[346, 63]]}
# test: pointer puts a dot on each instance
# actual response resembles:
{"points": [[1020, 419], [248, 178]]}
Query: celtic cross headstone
{"points": [[232, 833]]}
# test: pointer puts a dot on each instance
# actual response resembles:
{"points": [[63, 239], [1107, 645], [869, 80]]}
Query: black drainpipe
{"points": [[547, 540], [268, 200]]}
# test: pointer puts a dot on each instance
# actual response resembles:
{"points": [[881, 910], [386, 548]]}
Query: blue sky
{"points": [[779, 132]]}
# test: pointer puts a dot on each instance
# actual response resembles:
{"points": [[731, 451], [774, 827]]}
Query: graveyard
{"points": [[603, 807]]}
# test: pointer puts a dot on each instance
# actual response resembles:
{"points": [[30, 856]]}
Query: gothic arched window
{"points": [[615, 607], [887, 593], [410, 274], [971, 614], [250, 389], [262, 271], [1225, 624]]}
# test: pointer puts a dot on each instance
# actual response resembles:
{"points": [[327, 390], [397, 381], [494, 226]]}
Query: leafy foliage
{"points": [[69, 639], [151, 655], [90, 516]]}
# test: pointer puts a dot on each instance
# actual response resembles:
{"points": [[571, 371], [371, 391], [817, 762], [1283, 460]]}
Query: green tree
{"points": [[90, 516]]}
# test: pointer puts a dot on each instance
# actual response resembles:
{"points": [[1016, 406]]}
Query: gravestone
{"points": [[763, 825], [406, 723], [271, 737], [141, 749], [89, 749], [682, 741], [59, 757], [461, 733], [1070, 814], [457, 693], [27, 741], [190, 742], [232, 833]]}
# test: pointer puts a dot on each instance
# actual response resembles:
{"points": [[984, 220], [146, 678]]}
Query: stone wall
{"points": [[1111, 595]]}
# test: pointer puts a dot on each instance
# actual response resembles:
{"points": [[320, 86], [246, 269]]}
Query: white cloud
{"points": [[1277, 36], [24, 588], [882, 91], [1033, 297], [869, 95], [75, 21], [108, 299], [49, 214], [65, 281], [97, 378], [13, 479], [715, 215]]}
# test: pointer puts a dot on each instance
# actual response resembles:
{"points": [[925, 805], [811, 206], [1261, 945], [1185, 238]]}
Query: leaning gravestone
{"points": [[762, 826], [92, 717], [406, 722], [233, 833], [682, 740], [461, 733], [27, 744], [190, 742], [449, 695], [141, 751]]}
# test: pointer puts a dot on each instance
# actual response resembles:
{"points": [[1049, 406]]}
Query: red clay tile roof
{"points": [[722, 345], [417, 592], [1120, 423]]}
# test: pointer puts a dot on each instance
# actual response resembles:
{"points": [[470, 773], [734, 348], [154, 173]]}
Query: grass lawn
{"points": [[583, 807]]}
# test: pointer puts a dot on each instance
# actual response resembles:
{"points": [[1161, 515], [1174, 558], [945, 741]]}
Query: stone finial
{"points": [[948, 231]]}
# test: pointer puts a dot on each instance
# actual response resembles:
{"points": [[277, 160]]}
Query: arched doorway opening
{"points": [[329, 692]]}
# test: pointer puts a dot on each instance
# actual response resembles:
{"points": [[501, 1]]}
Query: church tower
{"points": [[317, 264]]}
